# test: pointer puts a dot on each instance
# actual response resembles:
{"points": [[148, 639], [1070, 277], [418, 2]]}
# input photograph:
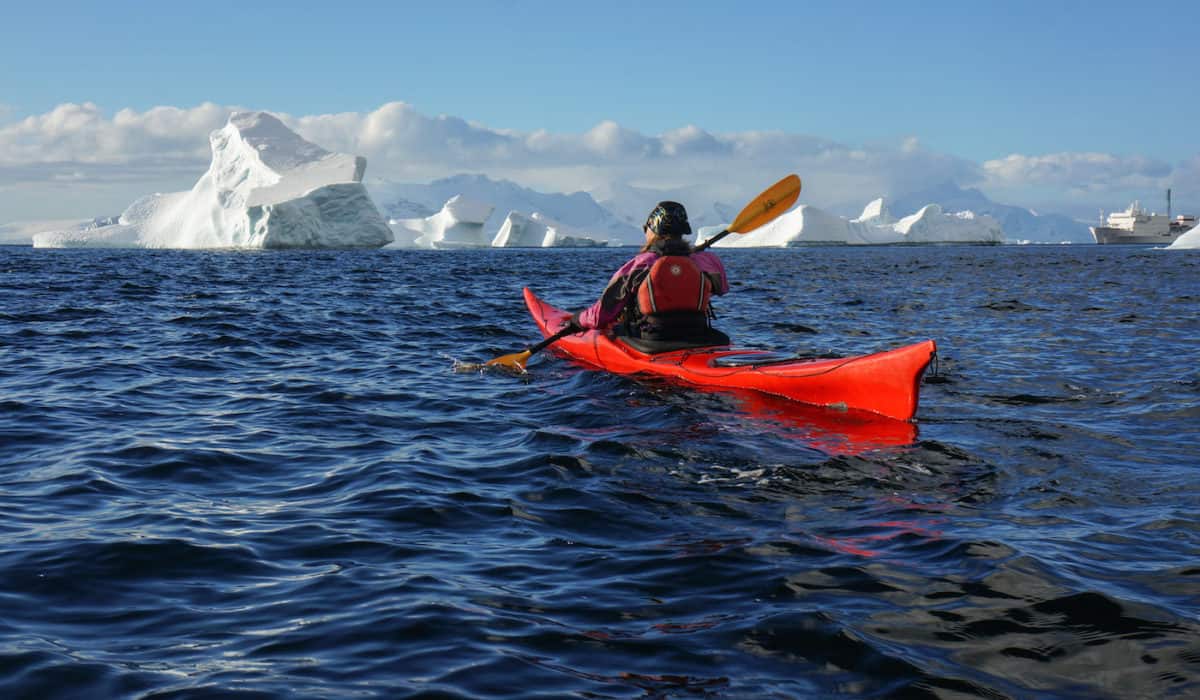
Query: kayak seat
{"points": [[651, 347]]}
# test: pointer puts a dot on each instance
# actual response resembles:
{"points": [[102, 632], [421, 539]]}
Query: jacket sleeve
{"points": [[712, 266], [607, 309]]}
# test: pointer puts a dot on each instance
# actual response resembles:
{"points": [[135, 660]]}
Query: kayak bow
{"points": [[887, 383]]}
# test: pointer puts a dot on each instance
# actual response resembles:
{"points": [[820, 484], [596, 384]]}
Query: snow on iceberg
{"points": [[1189, 240], [459, 224], [808, 225], [1018, 223], [932, 225], [803, 225], [22, 232], [578, 210], [538, 231], [266, 188]]}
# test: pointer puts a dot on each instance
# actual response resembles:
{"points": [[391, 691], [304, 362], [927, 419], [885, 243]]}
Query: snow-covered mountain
{"points": [[632, 205], [1019, 224], [577, 210]]}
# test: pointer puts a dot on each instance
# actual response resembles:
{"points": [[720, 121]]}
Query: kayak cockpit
{"points": [[656, 347]]}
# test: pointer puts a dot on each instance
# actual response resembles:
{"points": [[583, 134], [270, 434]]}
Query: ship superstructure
{"points": [[1136, 225]]}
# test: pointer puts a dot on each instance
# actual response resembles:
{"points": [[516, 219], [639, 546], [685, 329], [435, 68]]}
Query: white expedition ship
{"points": [[1135, 225]]}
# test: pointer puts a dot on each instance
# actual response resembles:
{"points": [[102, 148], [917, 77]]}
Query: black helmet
{"points": [[669, 219]]}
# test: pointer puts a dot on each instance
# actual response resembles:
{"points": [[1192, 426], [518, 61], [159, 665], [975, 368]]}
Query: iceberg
{"points": [[1018, 223], [22, 232], [459, 224], [932, 225], [578, 210], [539, 231], [266, 188], [1189, 240], [808, 225]]}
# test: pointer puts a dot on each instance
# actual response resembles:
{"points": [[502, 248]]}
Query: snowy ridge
{"points": [[265, 188], [632, 205]]}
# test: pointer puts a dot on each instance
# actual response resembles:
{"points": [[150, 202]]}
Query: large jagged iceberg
{"points": [[539, 231], [266, 188], [808, 225], [459, 224]]}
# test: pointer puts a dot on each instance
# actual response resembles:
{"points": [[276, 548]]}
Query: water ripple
{"points": [[257, 475]]}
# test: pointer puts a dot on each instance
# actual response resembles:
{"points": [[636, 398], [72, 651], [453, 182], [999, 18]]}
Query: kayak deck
{"points": [[886, 383]]}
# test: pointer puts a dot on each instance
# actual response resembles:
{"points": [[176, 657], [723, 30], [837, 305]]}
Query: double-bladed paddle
{"points": [[774, 201]]}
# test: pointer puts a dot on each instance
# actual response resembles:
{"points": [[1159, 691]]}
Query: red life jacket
{"points": [[674, 284]]}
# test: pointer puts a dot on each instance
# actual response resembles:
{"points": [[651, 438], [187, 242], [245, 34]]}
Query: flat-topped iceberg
{"points": [[539, 231], [808, 225], [459, 224], [266, 188]]}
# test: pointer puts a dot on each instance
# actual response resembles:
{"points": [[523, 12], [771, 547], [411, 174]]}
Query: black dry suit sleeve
{"points": [[715, 280], [618, 295]]}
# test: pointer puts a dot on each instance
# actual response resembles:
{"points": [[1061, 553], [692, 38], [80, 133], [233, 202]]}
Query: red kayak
{"points": [[886, 383]]}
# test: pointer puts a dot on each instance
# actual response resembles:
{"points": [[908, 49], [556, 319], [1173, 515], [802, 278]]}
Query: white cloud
{"points": [[77, 141], [1075, 170], [80, 133], [1082, 183], [165, 146]]}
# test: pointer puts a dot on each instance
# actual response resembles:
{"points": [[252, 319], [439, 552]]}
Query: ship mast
{"points": [[1168, 204]]}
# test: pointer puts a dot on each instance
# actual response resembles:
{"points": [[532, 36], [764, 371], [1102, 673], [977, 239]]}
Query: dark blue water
{"points": [[257, 475]]}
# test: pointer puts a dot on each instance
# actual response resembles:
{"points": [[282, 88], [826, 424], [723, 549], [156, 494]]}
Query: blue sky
{"points": [[980, 79], [973, 80]]}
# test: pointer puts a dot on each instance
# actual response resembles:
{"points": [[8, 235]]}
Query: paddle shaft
{"points": [[567, 330], [714, 239]]}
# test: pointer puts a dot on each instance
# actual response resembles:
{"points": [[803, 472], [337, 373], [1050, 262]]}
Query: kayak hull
{"points": [[886, 383]]}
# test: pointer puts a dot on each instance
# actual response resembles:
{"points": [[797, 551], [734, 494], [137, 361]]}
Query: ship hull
{"points": [[1107, 235]]}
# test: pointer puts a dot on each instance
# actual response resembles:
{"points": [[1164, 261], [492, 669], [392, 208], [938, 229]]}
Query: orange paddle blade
{"points": [[775, 200], [515, 361]]}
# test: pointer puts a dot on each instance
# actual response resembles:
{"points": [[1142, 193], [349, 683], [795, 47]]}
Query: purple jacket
{"points": [[622, 288]]}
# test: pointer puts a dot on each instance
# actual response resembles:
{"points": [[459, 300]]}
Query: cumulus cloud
{"points": [[79, 143], [1075, 170], [81, 133], [1080, 183]]}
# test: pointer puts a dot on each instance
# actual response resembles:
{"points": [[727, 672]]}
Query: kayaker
{"points": [[659, 299]]}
